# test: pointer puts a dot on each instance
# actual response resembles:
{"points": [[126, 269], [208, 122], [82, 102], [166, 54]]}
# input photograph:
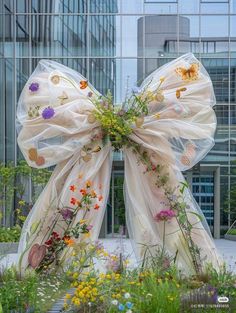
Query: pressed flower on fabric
{"points": [[48, 113], [33, 87], [190, 73], [83, 84]]}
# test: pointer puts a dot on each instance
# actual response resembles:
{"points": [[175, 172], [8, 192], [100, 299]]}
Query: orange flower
{"points": [[100, 198], [69, 242], [78, 202], [83, 84], [96, 207], [88, 183], [83, 191], [93, 194], [73, 201], [72, 188]]}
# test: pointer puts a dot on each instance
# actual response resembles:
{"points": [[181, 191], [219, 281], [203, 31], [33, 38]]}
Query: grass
{"points": [[231, 232]]}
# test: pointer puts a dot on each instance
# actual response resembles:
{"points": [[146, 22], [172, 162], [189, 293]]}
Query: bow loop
{"points": [[55, 114], [181, 123]]}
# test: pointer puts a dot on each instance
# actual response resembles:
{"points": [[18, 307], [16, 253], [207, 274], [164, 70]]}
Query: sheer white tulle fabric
{"points": [[178, 133]]}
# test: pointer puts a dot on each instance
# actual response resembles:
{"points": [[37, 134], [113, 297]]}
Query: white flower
{"points": [[129, 311], [149, 295], [127, 295], [89, 304], [114, 302]]}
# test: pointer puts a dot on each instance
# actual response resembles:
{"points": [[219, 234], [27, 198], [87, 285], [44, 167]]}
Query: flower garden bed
{"points": [[154, 286]]}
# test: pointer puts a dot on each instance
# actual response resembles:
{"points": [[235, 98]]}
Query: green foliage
{"points": [[33, 292], [13, 180], [232, 232], [224, 280], [10, 234]]}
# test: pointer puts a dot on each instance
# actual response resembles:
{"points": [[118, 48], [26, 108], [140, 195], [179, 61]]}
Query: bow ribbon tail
{"points": [[143, 200], [45, 216]]}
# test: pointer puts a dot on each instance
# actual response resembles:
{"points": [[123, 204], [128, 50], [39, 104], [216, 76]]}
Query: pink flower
{"points": [[164, 215]]}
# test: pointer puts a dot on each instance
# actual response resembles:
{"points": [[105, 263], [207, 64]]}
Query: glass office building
{"points": [[116, 44]]}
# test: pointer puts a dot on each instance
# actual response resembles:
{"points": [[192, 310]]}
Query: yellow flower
{"points": [[157, 115], [87, 235], [66, 306], [75, 275], [88, 183], [68, 296], [82, 221]]}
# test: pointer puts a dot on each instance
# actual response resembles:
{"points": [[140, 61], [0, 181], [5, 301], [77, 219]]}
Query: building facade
{"points": [[116, 44]]}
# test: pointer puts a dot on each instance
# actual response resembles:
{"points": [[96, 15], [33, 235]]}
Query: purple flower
{"points": [[164, 215], [89, 227], [33, 87], [48, 113], [67, 214], [90, 94]]}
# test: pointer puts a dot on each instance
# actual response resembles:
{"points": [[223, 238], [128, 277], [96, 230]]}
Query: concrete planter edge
{"points": [[230, 237], [8, 247]]}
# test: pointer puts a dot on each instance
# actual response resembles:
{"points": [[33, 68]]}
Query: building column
{"points": [[217, 203]]}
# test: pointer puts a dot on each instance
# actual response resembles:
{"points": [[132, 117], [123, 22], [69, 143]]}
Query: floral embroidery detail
{"points": [[162, 78], [90, 94], [188, 155], [185, 160], [139, 121], [157, 115], [36, 255], [55, 79], [67, 214], [33, 87], [190, 73], [63, 97], [91, 118], [40, 161], [83, 84], [159, 96], [48, 113], [86, 156], [178, 92], [33, 111], [97, 149], [33, 156]]}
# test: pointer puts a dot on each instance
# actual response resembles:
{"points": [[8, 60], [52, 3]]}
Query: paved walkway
{"points": [[226, 247]]}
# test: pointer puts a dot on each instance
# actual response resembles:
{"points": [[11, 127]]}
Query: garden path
{"points": [[226, 247]]}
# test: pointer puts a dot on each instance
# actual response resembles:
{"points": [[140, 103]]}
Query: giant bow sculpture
{"points": [[164, 129]]}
